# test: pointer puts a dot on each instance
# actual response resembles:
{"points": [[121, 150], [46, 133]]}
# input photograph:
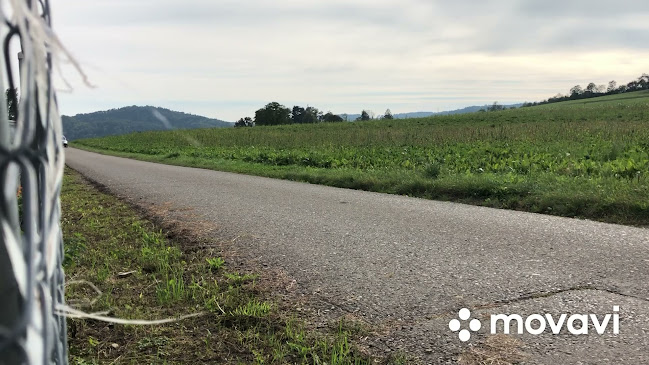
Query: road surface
{"points": [[408, 265]]}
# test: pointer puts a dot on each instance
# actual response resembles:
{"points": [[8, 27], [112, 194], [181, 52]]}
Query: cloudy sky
{"points": [[227, 58]]}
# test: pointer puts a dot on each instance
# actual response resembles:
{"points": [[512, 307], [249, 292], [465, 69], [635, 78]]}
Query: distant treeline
{"points": [[275, 114], [593, 90]]}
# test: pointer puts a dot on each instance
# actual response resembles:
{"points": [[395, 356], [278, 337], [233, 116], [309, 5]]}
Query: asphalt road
{"points": [[409, 264]]}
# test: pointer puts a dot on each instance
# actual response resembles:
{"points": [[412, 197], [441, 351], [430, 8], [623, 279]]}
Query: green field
{"points": [[587, 158]]}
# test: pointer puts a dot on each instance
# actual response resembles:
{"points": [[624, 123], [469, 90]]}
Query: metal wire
{"points": [[31, 160]]}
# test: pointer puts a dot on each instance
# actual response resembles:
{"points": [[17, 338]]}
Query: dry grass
{"points": [[496, 350]]}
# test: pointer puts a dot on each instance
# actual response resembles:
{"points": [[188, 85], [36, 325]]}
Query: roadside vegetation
{"points": [[584, 158], [140, 274]]}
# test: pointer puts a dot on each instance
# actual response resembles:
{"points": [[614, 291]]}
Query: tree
{"points": [[244, 122], [612, 86], [300, 115], [11, 96], [331, 118], [556, 98], [643, 81], [297, 114], [388, 114], [576, 92], [364, 116], [273, 114], [312, 115], [591, 89], [495, 107], [633, 86]]}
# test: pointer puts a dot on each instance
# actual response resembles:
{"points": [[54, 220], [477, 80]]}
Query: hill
{"points": [[133, 119], [468, 109]]}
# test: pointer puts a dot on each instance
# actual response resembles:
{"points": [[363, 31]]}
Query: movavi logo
{"points": [[536, 324]]}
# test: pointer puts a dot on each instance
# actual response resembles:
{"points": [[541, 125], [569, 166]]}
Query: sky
{"points": [[227, 58]]}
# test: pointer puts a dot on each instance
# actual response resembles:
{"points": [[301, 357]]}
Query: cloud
{"points": [[590, 9], [221, 57]]}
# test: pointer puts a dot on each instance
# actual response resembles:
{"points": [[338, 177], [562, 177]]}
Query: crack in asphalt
{"points": [[547, 294]]}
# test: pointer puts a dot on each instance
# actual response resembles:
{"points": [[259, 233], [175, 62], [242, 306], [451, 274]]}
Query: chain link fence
{"points": [[31, 171]]}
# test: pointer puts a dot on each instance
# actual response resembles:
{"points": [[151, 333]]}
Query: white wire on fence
{"points": [[31, 157]]}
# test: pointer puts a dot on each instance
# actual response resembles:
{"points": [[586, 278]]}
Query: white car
{"points": [[65, 142]]}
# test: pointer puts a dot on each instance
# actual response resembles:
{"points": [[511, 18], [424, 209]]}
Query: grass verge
{"points": [[142, 274]]}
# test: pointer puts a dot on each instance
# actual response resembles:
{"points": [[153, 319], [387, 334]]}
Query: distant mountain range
{"points": [[133, 119], [149, 118], [468, 109]]}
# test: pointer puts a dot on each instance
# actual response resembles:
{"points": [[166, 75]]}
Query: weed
{"points": [[79, 361], [239, 279], [171, 289], [215, 263], [433, 170], [253, 308], [72, 249], [93, 342], [152, 342]]}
